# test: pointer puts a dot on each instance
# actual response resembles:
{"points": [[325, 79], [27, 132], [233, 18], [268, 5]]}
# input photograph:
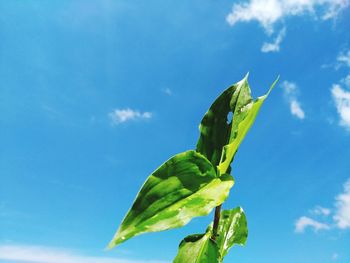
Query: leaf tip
{"points": [[108, 247], [272, 86], [244, 80], [115, 241], [246, 76], [111, 245], [275, 82]]}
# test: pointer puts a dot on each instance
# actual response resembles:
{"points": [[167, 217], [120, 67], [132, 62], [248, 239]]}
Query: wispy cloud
{"points": [[340, 95], [296, 109], [304, 222], [118, 116], [275, 45], [319, 210], [342, 214], [341, 99], [346, 81], [167, 91], [269, 12], [291, 92], [340, 218], [344, 58], [41, 254]]}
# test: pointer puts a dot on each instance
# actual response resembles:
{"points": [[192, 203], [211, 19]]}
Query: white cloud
{"points": [[344, 58], [265, 12], [118, 116], [319, 210], [346, 81], [303, 222], [296, 109], [290, 88], [40, 254], [269, 12], [342, 215], [275, 45], [290, 92], [341, 98]]}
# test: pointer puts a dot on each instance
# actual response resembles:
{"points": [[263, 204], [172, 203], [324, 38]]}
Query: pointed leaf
{"points": [[184, 187], [242, 121], [198, 249], [232, 230], [215, 128], [217, 133]]}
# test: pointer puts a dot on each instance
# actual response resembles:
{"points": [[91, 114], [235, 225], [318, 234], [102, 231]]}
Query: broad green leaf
{"points": [[198, 248], [232, 230], [220, 137], [184, 187]]}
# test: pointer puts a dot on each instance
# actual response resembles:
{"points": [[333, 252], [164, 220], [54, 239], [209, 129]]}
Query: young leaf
{"points": [[184, 187], [201, 248], [241, 125], [232, 230], [215, 128], [219, 140], [198, 249]]}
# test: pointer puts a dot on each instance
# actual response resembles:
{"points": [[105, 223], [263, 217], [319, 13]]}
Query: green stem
{"points": [[216, 222]]}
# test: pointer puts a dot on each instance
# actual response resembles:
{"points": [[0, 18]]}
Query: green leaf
{"points": [[184, 187], [215, 128], [241, 125], [232, 230], [220, 137], [198, 249]]}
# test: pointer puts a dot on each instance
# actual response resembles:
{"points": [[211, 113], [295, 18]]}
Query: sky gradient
{"points": [[95, 95]]}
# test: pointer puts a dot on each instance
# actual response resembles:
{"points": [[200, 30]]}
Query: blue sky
{"points": [[94, 95]]}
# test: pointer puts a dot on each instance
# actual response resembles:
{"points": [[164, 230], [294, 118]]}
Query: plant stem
{"points": [[216, 222]]}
